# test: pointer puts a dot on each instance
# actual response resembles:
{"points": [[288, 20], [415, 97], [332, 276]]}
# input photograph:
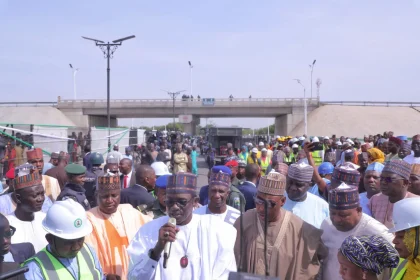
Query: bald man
{"points": [[141, 193]]}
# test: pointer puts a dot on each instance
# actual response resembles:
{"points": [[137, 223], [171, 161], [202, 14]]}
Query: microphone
{"points": [[168, 245]]}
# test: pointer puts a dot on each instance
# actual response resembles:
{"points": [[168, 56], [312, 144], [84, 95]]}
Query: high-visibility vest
{"points": [[264, 164], [317, 156], [53, 269], [399, 272], [243, 157]]}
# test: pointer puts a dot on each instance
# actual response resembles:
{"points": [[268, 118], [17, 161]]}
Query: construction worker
{"points": [[317, 155], [66, 255], [407, 238]]}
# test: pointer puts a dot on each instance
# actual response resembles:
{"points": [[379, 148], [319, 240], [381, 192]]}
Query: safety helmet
{"points": [[325, 168], [315, 140], [406, 214], [294, 146], [96, 158], [160, 168], [67, 220]]}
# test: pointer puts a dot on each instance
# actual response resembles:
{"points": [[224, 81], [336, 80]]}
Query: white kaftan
{"points": [[207, 241], [229, 216]]}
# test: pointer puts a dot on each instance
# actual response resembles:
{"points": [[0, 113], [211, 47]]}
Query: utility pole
{"points": [[173, 96], [304, 106], [108, 49], [312, 70], [74, 80]]}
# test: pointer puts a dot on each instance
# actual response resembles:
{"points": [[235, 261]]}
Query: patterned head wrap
{"points": [[412, 242], [376, 166], [273, 184], [370, 252], [282, 168], [108, 182], [398, 167], [343, 197], [301, 172], [376, 155], [182, 183]]}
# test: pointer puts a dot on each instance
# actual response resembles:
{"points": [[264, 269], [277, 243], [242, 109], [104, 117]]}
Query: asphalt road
{"points": [[202, 172]]}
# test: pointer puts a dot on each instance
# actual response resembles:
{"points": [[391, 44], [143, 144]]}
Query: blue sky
{"points": [[365, 50]]}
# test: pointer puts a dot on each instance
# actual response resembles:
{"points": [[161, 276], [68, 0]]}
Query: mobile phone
{"points": [[318, 146]]}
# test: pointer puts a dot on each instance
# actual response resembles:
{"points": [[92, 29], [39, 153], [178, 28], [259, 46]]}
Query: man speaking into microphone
{"points": [[197, 247]]}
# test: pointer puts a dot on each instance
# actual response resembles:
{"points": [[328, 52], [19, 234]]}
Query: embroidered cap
{"points": [[347, 174], [220, 177], [273, 184], [343, 197], [301, 172], [398, 167], [109, 181], [29, 180], [282, 168], [182, 183], [34, 154]]}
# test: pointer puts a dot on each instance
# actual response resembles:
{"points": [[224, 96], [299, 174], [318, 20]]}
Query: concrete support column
{"points": [[191, 128], [283, 124]]}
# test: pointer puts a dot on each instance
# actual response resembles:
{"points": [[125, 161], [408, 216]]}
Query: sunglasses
{"points": [[179, 203], [259, 201], [10, 233], [389, 180]]}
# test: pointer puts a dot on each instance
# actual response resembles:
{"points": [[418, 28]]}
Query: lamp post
{"points": [[74, 80], [191, 69], [108, 49], [312, 70], [304, 106], [173, 96]]}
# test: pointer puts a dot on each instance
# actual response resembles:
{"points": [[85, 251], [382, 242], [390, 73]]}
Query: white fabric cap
{"points": [[295, 146], [315, 140], [254, 150], [326, 138], [160, 168]]}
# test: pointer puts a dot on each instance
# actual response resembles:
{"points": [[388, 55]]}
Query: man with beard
{"points": [[66, 256], [27, 218], [346, 218], [394, 145], [114, 226], [50, 184], [218, 192], [394, 187], [18, 252], [371, 183], [415, 147], [294, 247], [201, 245], [307, 206]]}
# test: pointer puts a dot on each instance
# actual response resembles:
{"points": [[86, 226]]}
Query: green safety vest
{"points": [[399, 272], [53, 269], [317, 157], [264, 164]]}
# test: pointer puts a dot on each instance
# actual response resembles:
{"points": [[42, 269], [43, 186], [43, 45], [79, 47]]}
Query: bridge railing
{"points": [[227, 102], [26, 104], [372, 103]]}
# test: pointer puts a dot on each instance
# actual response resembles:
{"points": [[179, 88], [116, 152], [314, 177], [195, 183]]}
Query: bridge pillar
{"points": [[191, 128], [283, 124]]}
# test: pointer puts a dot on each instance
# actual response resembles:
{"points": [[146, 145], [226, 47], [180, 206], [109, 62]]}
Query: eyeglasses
{"points": [[179, 203], [259, 201], [389, 180], [10, 233]]}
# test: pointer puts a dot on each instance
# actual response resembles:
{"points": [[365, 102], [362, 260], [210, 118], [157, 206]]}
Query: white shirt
{"points": [[363, 200], [229, 216], [333, 239], [206, 241], [312, 210], [411, 159], [31, 232]]}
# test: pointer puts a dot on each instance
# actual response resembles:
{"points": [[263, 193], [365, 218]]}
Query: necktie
{"points": [[125, 181]]}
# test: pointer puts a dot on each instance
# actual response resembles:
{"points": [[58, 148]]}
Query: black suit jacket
{"points": [[132, 180], [136, 195], [22, 251]]}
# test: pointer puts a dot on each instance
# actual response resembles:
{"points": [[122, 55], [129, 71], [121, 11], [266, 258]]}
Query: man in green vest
{"points": [[406, 218], [66, 255]]}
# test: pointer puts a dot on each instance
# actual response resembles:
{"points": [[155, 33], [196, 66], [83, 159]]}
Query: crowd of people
{"points": [[295, 208]]}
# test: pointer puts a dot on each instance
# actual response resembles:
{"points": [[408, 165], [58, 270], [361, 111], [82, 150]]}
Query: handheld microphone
{"points": [[168, 245]]}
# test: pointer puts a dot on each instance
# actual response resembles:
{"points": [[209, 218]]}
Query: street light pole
{"points": [[173, 95], [74, 80], [312, 70], [108, 49], [304, 107], [191, 81]]}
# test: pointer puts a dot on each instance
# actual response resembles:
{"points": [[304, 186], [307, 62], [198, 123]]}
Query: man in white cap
{"points": [[317, 155], [253, 157], [295, 149], [265, 161], [66, 255]]}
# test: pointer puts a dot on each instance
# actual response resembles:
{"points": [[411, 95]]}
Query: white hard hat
{"points": [[338, 143], [326, 138], [254, 150], [406, 214], [261, 144], [67, 220], [295, 146], [301, 138], [160, 168], [294, 140], [263, 150], [350, 141], [315, 140]]}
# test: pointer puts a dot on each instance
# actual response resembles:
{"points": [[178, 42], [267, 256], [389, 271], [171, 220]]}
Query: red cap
{"points": [[34, 154], [10, 174], [231, 163]]}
